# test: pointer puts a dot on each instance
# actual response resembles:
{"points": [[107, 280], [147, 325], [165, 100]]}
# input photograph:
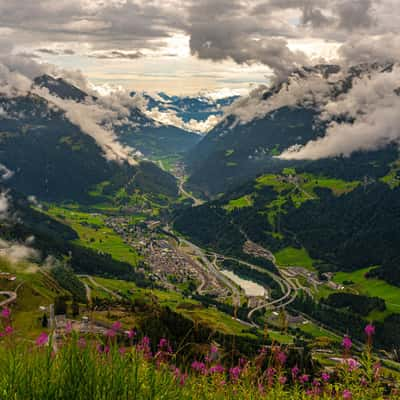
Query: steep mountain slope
{"points": [[61, 88], [257, 129], [343, 224], [135, 129], [53, 159]]}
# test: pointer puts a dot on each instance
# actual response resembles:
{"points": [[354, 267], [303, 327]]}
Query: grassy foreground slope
{"points": [[117, 367]]}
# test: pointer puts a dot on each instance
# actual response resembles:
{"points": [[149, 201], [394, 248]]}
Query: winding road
{"points": [[196, 201], [11, 297], [94, 283]]}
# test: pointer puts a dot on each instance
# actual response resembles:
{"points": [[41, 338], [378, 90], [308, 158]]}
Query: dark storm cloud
{"points": [[246, 31]]}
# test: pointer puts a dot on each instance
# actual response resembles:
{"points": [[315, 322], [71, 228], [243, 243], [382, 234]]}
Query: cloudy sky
{"points": [[183, 46]]}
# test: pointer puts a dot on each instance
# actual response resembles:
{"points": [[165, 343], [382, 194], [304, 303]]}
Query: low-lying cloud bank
{"points": [[373, 105], [18, 252], [96, 119]]}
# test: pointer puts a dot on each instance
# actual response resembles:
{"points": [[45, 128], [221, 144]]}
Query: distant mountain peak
{"points": [[61, 88]]}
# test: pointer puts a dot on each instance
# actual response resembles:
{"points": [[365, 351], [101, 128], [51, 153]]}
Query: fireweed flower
{"points": [[369, 330], [122, 350], [181, 378], [164, 351], [347, 343], [261, 388], [304, 378], [6, 313], [217, 369], [164, 345], [199, 366], [144, 347], [131, 334], [281, 357], [213, 350], [42, 339], [282, 380], [110, 333], [347, 395], [325, 377], [234, 373], [352, 364], [295, 372], [68, 328], [116, 326], [8, 330]]}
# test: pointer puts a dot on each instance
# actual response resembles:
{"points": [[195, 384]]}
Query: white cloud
{"points": [[17, 252], [3, 205], [96, 121], [374, 106], [170, 117]]}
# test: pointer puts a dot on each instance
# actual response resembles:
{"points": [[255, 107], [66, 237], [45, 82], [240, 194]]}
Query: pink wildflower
{"points": [[304, 378], [234, 373], [242, 362], [213, 350], [42, 339], [81, 343], [122, 350], [281, 357], [6, 313], [369, 330], [180, 377], [325, 377], [164, 345], [131, 334], [217, 369], [347, 395], [282, 380], [116, 326], [352, 364], [68, 328], [199, 366], [9, 330], [144, 347], [347, 343], [110, 333], [295, 372]]}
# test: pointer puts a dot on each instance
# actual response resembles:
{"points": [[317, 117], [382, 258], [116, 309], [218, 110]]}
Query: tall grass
{"points": [[100, 368]]}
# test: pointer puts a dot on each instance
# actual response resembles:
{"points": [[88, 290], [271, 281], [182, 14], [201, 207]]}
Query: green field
{"points": [[291, 257], [302, 187], [298, 189], [94, 234], [372, 287], [34, 289], [245, 201], [392, 178]]}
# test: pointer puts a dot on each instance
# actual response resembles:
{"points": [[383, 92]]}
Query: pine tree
{"points": [[45, 321]]}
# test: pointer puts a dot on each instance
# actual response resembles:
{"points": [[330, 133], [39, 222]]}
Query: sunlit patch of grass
{"points": [[245, 201], [94, 234], [372, 287], [291, 257]]}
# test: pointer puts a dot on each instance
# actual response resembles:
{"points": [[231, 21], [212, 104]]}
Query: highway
{"points": [[212, 268], [196, 201], [94, 283], [12, 296]]}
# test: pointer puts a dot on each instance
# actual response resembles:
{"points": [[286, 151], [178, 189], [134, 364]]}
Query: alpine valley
{"points": [[271, 218]]}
